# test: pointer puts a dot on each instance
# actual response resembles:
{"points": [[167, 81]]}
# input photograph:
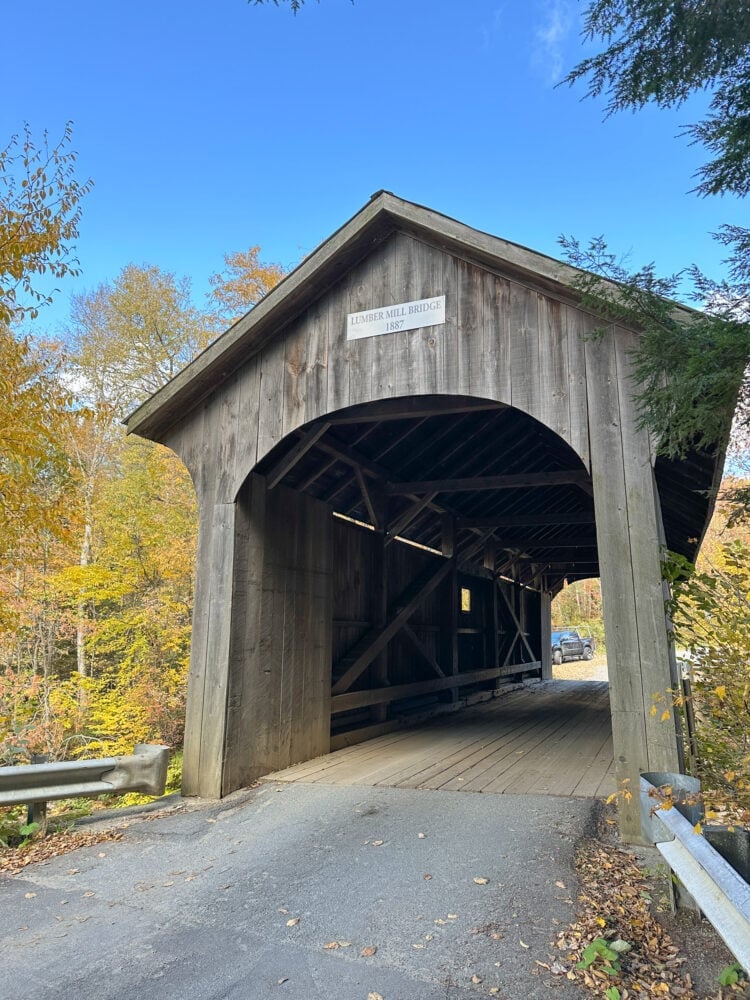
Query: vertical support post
{"points": [[379, 613], [546, 634], [489, 636], [206, 709], [628, 542], [495, 627], [450, 611]]}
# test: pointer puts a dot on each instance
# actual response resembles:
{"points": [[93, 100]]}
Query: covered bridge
{"points": [[400, 455]]}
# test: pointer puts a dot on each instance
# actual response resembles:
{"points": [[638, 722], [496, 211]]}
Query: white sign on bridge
{"points": [[390, 319]]}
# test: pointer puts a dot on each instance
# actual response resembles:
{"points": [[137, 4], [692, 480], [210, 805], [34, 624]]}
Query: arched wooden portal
{"points": [[499, 435]]}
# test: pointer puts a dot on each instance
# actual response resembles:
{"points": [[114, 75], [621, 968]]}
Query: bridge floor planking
{"points": [[551, 738]]}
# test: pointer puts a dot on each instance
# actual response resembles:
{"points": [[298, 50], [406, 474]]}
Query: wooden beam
{"points": [[365, 491], [447, 534], [476, 546], [420, 647], [545, 564], [317, 473], [519, 628], [404, 520], [365, 651], [526, 520], [524, 480], [349, 456], [287, 463], [359, 699], [525, 542], [410, 408]]}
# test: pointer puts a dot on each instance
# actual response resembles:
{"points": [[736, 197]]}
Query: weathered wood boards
{"points": [[266, 693], [555, 739], [628, 538]]}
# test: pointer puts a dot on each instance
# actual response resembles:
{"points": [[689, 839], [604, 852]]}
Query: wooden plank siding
{"points": [[489, 347]]}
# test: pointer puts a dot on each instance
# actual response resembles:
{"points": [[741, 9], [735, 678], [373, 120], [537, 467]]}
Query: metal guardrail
{"points": [[144, 771], [721, 893]]}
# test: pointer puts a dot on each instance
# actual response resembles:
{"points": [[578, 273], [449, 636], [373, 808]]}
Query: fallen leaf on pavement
{"points": [[559, 884], [284, 979], [481, 880], [374, 996], [369, 951], [331, 946], [523, 944], [422, 836], [29, 895], [427, 877], [293, 922], [378, 843], [476, 979]]}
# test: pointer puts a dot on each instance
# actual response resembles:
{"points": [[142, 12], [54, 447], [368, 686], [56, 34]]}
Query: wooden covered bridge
{"points": [[400, 455]]}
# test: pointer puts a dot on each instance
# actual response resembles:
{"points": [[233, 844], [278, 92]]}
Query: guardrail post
{"points": [[36, 812]]}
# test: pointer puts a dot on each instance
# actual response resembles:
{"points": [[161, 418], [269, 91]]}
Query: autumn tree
{"points": [[132, 335], [40, 209], [40, 206], [243, 282], [33, 466]]}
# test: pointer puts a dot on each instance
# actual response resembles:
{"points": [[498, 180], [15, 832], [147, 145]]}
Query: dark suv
{"points": [[568, 644]]}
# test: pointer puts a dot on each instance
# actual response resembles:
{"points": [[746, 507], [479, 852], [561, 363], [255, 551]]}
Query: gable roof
{"points": [[383, 215]]}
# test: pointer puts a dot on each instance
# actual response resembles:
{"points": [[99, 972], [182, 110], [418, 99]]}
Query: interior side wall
{"points": [[484, 636], [279, 691]]}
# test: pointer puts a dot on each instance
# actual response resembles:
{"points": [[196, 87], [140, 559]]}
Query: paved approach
{"points": [[238, 900]]}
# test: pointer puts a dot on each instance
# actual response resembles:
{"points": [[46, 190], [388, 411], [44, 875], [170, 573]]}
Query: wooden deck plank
{"points": [[553, 738]]}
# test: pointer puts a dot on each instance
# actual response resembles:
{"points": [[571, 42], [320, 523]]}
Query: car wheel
{"points": [[556, 657], [588, 653]]}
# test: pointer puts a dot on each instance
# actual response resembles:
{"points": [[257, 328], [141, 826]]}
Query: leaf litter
{"points": [[614, 906], [14, 860]]}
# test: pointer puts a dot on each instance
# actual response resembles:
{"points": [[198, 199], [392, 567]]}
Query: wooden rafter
{"points": [[526, 520], [404, 520], [526, 542], [522, 480], [367, 497], [287, 463]]}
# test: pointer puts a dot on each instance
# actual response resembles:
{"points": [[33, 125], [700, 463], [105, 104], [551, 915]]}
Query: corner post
{"points": [[629, 558]]}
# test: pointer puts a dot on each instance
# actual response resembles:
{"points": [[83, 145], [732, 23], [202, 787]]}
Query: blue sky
{"points": [[211, 126]]}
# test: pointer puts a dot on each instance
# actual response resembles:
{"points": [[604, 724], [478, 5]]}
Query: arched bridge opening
{"points": [[442, 526]]}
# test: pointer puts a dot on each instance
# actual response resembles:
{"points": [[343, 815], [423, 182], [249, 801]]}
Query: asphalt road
{"points": [[238, 899]]}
